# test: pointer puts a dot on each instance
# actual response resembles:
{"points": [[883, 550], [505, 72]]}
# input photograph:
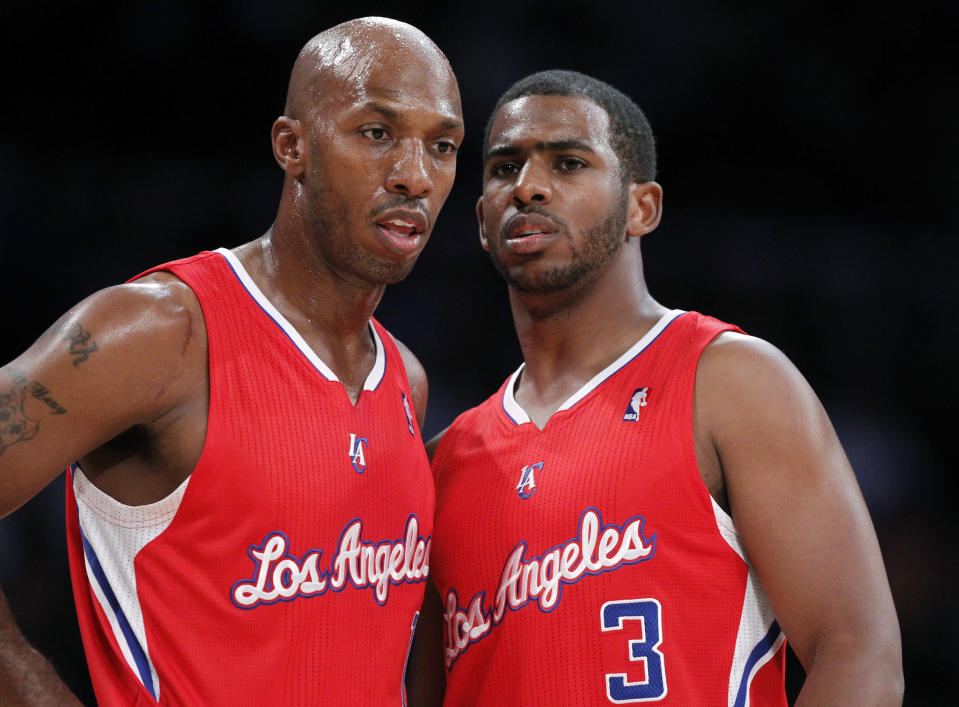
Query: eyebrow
{"points": [[554, 146], [391, 114], [385, 111]]}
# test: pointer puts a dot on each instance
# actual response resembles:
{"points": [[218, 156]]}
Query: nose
{"points": [[532, 185], [410, 174]]}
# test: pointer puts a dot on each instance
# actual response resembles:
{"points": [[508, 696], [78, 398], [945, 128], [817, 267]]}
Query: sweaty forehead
{"points": [[550, 119]]}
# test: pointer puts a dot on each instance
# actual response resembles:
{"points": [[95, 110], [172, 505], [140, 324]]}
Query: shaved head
{"points": [[368, 142], [342, 57]]}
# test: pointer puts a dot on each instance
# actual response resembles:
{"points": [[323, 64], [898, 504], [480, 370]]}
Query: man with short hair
{"points": [[251, 507], [654, 501]]}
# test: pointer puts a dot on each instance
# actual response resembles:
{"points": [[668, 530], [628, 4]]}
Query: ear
{"points": [[289, 148], [482, 230], [645, 208]]}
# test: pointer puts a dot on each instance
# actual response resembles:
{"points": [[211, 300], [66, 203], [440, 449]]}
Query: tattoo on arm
{"points": [[15, 425], [81, 343]]}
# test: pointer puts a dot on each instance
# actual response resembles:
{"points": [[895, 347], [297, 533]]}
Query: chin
{"points": [[391, 273], [544, 281]]}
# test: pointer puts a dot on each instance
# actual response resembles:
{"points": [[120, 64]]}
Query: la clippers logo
{"points": [[527, 482], [635, 403], [358, 447]]}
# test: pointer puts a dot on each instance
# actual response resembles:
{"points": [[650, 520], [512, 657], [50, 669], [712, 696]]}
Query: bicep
{"points": [[105, 365], [794, 498]]}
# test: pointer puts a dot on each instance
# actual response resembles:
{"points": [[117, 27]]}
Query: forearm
{"points": [[26, 678], [853, 675]]}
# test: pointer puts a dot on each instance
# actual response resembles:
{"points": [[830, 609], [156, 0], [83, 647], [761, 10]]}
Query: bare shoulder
{"points": [[743, 380], [127, 355], [155, 322], [416, 375], [739, 358], [750, 398]]}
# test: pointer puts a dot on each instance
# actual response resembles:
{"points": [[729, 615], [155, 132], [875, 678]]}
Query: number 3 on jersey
{"points": [[619, 616]]}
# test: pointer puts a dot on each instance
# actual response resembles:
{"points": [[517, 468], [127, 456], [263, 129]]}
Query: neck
{"points": [[330, 312], [568, 337], [301, 279], [289, 259]]}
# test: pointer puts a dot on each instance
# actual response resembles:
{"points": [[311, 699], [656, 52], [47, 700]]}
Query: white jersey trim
{"points": [[113, 534], [759, 636], [516, 412], [379, 365]]}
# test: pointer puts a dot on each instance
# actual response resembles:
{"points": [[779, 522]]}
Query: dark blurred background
{"points": [[808, 153]]}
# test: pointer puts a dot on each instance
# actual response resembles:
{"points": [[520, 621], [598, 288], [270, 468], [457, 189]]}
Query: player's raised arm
{"points": [[113, 361], [802, 520]]}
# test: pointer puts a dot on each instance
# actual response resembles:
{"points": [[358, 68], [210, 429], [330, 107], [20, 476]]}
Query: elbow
{"points": [[865, 671]]}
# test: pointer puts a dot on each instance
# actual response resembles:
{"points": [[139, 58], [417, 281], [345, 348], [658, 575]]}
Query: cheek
{"points": [[443, 177], [353, 182]]}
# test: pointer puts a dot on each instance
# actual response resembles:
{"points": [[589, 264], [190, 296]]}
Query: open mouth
{"points": [[400, 228], [403, 231]]}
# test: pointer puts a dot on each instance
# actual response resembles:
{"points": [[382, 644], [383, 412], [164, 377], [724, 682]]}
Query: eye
{"points": [[570, 164], [375, 133], [504, 169], [446, 147]]}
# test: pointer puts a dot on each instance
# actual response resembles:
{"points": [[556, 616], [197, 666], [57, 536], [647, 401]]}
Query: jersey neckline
{"points": [[375, 376], [515, 412]]}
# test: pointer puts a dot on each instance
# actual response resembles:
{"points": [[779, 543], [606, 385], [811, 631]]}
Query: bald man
{"points": [[249, 502]]}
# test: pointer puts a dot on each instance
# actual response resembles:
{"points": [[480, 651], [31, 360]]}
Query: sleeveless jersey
{"points": [[586, 563], [289, 567]]}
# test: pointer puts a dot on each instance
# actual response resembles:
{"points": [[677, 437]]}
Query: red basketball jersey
{"points": [[289, 567], [586, 563]]}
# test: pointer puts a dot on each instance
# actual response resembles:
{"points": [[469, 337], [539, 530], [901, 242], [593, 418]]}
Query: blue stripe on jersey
{"points": [[762, 648], [139, 655]]}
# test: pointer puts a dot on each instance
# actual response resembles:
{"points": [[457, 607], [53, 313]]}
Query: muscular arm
{"points": [[128, 355], [802, 520]]}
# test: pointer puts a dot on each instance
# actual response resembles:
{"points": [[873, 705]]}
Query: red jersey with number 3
{"points": [[289, 567], [586, 563]]}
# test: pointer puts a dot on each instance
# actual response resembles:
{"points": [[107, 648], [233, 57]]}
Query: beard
{"points": [[600, 242]]}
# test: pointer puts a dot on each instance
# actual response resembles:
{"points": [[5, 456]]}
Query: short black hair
{"points": [[631, 135]]}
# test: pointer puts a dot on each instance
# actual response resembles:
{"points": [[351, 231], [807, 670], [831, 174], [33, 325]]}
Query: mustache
{"points": [[539, 211], [402, 202]]}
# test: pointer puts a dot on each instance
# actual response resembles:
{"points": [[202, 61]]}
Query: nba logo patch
{"points": [[527, 482], [358, 447], [637, 401], [409, 414]]}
